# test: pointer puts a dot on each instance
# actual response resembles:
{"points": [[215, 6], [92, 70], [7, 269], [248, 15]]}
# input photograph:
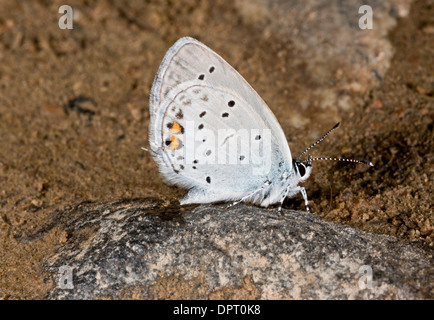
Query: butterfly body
{"points": [[212, 134]]}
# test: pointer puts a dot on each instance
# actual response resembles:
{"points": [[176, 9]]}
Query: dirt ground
{"points": [[74, 114]]}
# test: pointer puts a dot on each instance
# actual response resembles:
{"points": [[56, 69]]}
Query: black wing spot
{"points": [[200, 127], [211, 70], [208, 152], [208, 179], [225, 115], [180, 114], [242, 158], [258, 137], [201, 77], [231, 103], [202, 114]]}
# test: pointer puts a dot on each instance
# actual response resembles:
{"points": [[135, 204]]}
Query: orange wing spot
{"points": [[176, 128], [174, 143]]}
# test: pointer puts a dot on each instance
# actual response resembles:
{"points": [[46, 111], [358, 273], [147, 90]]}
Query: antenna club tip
{"points": [[368, 163], [337, 125]]}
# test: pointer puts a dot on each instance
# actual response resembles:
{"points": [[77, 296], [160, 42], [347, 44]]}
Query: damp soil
{"points": [[74, 114]]}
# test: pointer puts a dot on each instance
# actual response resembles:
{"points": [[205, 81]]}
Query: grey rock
{"points": [[143, 249]]}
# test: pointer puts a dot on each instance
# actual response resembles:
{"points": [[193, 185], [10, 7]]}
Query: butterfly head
{"points": [[302, 169]]}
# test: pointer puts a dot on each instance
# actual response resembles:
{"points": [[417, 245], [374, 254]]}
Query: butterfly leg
{"points": [[285, 194], [304, 194], [291, 192], [266, 184]]}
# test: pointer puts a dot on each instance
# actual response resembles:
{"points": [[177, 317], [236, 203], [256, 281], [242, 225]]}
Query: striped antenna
{"points": [[339, 159], [319, 140]]}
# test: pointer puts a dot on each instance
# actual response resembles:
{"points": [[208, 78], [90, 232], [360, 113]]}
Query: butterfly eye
{"points": [[301, 169]]}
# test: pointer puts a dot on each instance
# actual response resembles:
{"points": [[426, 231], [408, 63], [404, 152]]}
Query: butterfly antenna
{"points": [[320, 139], [339, 159]]}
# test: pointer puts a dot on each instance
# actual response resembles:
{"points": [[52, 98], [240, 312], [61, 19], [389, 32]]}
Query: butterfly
{"points": [[212, 134]]}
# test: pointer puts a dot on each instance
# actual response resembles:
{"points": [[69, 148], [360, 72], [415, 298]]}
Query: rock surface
{"points": [[142, 249]]}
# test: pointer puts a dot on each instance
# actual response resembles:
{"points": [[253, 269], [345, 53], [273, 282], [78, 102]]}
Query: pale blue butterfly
{"points": [[212, 134]]}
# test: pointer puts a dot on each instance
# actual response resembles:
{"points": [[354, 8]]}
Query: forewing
{"points": [[190, 60]]}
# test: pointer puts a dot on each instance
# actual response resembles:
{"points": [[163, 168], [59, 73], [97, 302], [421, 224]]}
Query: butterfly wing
{"points": [[189, 59], [210, 131]]}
